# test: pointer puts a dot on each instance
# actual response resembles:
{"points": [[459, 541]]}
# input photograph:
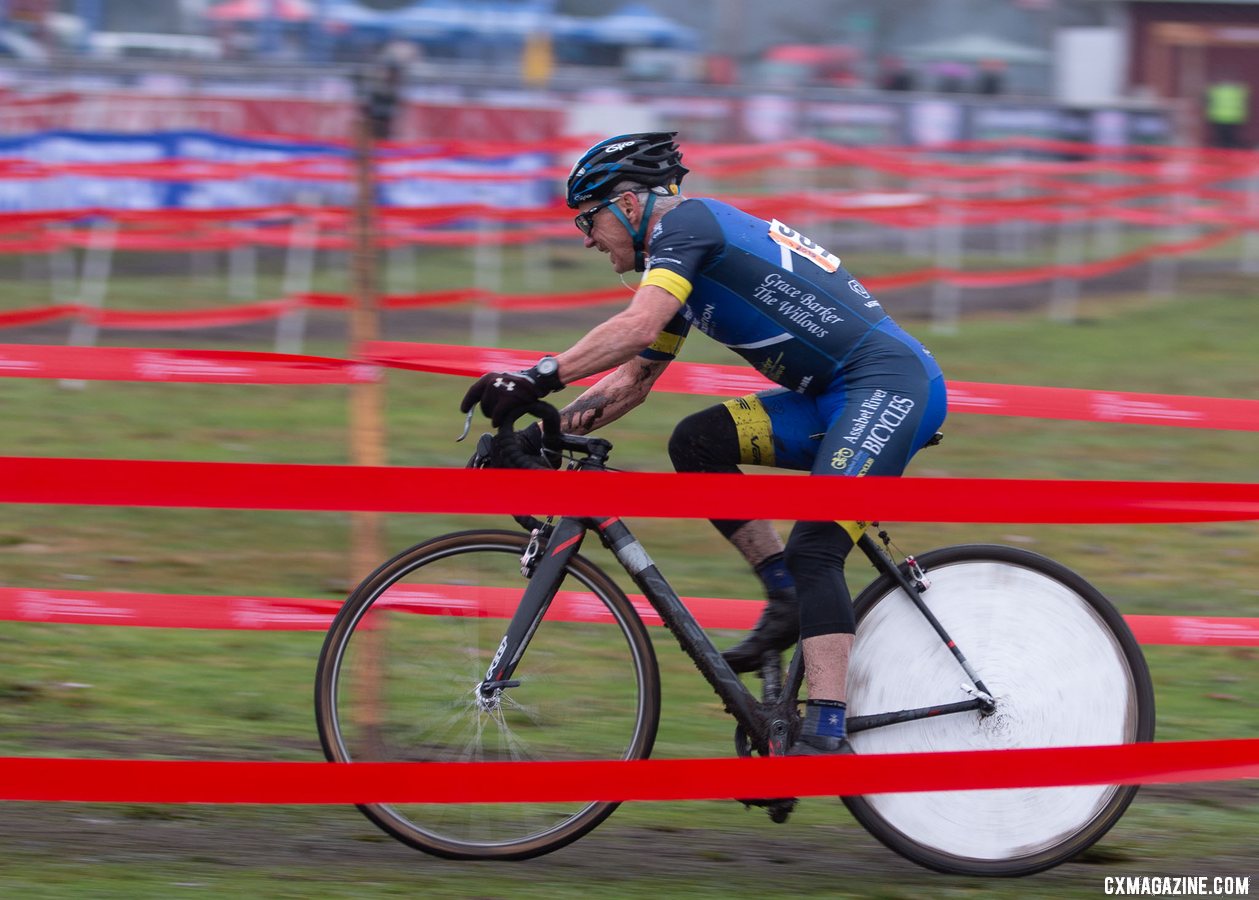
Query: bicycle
{"points": [[417, 666]]}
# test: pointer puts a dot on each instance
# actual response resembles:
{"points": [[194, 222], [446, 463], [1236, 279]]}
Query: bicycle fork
{"points": [[548, 572]]}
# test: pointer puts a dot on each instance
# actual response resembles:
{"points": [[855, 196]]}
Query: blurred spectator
{"points": [[1227, 110], [952, 77], [894, 75], [720, 69], [834, 65], [991, 78]]}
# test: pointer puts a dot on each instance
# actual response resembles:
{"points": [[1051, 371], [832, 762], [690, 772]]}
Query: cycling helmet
{"points": [[650, 158]]}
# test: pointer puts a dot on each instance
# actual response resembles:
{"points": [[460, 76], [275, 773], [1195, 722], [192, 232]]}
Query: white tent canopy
{"points": [[975, 48]]}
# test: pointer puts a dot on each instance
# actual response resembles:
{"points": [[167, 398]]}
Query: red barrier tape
{"points": [[122, 364], [964, 396], [296, 614], [37, 315], [534, 226], [178, 781], [208, 485], [204, 366], [217, 317], [166, 610]]}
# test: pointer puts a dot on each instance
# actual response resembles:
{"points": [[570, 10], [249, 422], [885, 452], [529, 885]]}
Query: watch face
{"points": [[547, 366]]}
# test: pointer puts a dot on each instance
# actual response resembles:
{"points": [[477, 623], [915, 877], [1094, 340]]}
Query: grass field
{"points": [[96, 691]]}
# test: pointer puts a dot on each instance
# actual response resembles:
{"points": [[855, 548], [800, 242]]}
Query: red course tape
{"points": [[297, 614], [203, 366], [964, 396], [207, 485], [291, 613], [181, 365], [162, 781]]}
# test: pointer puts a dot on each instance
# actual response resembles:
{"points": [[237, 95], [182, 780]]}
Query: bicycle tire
{"points": [[1012, 612], [394, 685]]}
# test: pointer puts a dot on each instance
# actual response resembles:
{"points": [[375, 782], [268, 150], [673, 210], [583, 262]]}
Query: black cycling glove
{"points": [[502, 393], [530, 441]]}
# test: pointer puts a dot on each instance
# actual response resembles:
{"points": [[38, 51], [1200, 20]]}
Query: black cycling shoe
{"points": [[776, 630], [819, 745]]}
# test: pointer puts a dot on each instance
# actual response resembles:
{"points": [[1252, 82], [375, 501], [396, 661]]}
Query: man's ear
{"points": [[629, 202]]}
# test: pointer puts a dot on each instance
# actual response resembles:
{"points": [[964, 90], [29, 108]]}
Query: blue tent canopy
{"points": [[349, 14], [472, 18], [634, 24], [467, 24]]}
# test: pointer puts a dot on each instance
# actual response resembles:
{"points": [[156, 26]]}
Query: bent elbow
{"points": [[637, 333], [644, 337]]}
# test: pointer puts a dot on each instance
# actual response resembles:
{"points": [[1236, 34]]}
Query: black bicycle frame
{"points": [[769, 725]]}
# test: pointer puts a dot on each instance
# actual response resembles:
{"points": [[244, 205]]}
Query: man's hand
{"points": [[500, 394], [530, 441]]}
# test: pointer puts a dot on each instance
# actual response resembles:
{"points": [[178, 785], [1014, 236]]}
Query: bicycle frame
{"points": [[768, 725]]}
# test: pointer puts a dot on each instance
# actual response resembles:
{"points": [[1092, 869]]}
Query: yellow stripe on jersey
{"points": [[668, 343], [756, 432], [672, 282]]}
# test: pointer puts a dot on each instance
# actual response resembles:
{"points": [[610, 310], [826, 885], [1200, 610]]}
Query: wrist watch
{"points": [[547, 370]]}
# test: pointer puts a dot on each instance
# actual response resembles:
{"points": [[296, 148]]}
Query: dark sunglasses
{"points": [[585, 221]]}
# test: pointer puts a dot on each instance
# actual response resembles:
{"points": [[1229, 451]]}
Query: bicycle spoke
{"points": [[406, 683]]}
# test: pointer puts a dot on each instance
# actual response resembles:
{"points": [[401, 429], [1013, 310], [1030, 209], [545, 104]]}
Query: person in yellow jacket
{"points": [[1228, 108]]}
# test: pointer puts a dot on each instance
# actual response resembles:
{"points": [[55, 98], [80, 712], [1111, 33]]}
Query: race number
{"points": [[801, 245]]}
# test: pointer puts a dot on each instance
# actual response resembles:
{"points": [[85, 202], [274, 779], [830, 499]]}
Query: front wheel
{"points": [[398, 681], [1064, 669]]}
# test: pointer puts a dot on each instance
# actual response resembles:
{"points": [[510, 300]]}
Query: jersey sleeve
{"points": [[683, 243], [669, 342]]}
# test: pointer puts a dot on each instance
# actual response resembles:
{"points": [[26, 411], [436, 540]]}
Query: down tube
{"points": [[678, 619]]}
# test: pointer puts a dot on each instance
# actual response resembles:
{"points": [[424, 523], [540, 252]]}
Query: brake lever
{"points": [[467, 425]]}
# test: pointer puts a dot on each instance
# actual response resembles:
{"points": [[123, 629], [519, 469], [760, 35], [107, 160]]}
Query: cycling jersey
{"points": [[859, 395], [773, 296]]}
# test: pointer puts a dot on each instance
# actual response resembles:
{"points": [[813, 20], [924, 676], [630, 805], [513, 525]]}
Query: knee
{"points": [[699, 442], [817, 545]]}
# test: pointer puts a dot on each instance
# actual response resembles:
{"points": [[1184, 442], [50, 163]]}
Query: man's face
{"points": [[609, 234]]}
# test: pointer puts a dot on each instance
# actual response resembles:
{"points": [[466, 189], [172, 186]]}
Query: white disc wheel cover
{"points": [[1059, 678]]}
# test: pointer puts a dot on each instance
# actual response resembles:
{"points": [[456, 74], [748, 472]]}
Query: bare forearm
{"points": [[617, 342], [610, 398], [621, 338], [606, 346]]}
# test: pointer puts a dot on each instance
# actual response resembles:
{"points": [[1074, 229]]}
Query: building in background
{"points": [[860, 71], [1179, 50]]}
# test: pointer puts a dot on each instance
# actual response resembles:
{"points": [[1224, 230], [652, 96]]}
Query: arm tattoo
{"points": [[582, 416], [610, 399]]}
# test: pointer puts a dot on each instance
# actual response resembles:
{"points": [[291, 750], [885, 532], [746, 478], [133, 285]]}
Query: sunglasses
{"points": [[585, 221]]}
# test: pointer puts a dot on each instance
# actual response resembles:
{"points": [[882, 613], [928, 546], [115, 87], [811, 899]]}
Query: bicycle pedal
{"points": [[779, 808]]}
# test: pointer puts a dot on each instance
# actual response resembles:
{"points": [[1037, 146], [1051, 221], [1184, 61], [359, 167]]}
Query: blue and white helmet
{"points": [[650, 158]]}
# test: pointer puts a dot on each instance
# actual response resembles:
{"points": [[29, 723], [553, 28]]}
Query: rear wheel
{"points": [[1064, 669], [398, 676]]}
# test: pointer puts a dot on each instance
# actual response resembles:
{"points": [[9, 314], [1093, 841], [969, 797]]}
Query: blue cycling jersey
{"points": [[773, 296], [858, 395]]}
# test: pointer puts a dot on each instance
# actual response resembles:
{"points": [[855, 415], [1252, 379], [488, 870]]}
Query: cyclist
{"points": [[857, 395]]}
